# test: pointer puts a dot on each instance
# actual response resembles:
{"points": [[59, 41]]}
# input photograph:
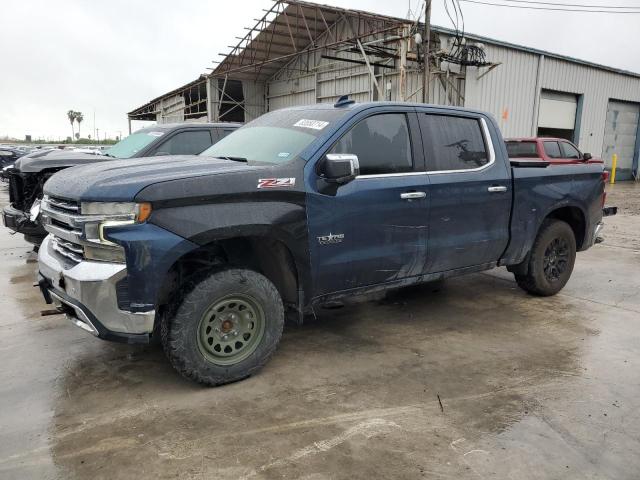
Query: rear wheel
{"points": [[551, 260], [226, 327]]}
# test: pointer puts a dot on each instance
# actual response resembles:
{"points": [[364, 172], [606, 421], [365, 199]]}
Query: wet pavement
{"points": [[475, 380]]}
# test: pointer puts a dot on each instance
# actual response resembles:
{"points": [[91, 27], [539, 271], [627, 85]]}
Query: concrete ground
{"points": [[477, 380]]}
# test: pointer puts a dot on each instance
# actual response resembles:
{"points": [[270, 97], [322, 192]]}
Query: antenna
{"points": [[343, 101]]}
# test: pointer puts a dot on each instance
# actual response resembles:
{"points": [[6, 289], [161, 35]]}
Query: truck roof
{"points": [[187, 125], [357, 106]]}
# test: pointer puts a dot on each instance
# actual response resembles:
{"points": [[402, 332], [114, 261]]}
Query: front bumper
{"points": [[86, 292], [19, 221]]}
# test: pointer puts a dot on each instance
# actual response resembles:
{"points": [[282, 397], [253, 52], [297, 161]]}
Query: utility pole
{"points": [[426, 43]]}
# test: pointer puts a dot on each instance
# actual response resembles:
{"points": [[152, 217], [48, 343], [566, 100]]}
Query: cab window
{"points": [[381, 142], [453, 143], [552, 149], [190, 142], [569, 151]]}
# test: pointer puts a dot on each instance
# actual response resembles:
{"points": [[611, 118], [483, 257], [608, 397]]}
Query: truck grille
{"points": [[62, 219], [70, 250], [67, 206]]}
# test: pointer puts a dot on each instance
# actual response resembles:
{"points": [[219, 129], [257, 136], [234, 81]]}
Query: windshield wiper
{"points": [[234, 159], [108, 155]]}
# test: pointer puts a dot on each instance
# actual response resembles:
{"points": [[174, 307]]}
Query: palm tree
{"points": [[71, 115], [79, 119]]}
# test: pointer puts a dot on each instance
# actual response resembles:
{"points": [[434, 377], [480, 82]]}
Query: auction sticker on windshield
{"points": [[313, 124]]}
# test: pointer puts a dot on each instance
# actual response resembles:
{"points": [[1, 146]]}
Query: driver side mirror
{"points": [[586, 156], [340, 167]]}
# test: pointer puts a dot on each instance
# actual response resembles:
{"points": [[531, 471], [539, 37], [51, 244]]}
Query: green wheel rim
{"points": [[231, 329]]}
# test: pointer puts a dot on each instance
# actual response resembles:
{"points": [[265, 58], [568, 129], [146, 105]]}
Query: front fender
{"points": [[150, 252], [284, 221]]}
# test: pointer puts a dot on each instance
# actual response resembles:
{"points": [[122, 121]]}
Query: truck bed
{"points": [[538, 191]]}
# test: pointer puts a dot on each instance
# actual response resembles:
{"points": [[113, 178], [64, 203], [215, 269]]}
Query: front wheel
{"points": [[225, 328], [551, 260]]}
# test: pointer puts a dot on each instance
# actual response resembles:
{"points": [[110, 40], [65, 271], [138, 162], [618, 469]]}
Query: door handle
{"points": [[497, 189], [412, 195]]}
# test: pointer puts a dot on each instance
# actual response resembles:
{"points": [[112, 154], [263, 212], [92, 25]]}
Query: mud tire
{"points": [[180, 328]]}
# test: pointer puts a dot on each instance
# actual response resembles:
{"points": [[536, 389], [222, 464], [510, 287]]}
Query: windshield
{"points": [[274, 138], [522, 150], [129, 146]]}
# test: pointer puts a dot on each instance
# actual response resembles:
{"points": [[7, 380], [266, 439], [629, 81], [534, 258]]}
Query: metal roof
{"points": [[290, 27]]}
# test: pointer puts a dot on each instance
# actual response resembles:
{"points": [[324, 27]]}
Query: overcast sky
{"points": [[112, 56]]}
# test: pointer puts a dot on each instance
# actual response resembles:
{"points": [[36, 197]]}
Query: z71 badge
{"points": [[276, 182]]}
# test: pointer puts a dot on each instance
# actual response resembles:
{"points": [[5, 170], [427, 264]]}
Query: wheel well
{"points": [[575, 218], [265, 255]]}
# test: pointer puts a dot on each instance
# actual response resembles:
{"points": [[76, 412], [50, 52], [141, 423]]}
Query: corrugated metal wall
{"points": [[508, 92], [254, 99], [597, 87], [171, 110], [290, 92]]}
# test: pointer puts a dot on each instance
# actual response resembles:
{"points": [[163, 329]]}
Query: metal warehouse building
{"points": [[301, 53]]}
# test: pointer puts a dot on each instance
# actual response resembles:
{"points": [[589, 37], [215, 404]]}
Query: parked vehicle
{"points": [[548, 149], [9, 155], [555, 151], [32, 171], [300, 207]]}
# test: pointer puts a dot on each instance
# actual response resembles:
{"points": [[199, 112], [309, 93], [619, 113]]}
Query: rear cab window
{"points": [[453, 143]]}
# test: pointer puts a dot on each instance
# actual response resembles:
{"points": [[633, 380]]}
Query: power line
{"points": [[535, 2], [550, 9]]}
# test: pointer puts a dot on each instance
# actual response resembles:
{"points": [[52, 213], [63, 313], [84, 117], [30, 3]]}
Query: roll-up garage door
{"points": [[557, 116], [620, 136]]}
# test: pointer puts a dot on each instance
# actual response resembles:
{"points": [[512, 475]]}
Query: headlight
{"points": [[99, 216], [136, 212]]}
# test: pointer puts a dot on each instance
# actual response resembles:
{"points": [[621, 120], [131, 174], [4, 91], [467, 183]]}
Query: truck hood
{"points": [[121, 180], [38, 161]]}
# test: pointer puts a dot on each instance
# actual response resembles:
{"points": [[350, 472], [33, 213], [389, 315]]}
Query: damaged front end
{"points": [[22, 215]]}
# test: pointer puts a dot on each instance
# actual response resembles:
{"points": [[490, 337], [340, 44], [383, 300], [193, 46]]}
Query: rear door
{"points": [[470, 192], [373, 229]]}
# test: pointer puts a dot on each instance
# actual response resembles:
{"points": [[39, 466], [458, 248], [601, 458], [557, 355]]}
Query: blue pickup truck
{"points": [[300, 207]]}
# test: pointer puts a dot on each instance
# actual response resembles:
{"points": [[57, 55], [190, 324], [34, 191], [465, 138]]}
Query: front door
{"points": [[470, 191], [373, 229]]}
